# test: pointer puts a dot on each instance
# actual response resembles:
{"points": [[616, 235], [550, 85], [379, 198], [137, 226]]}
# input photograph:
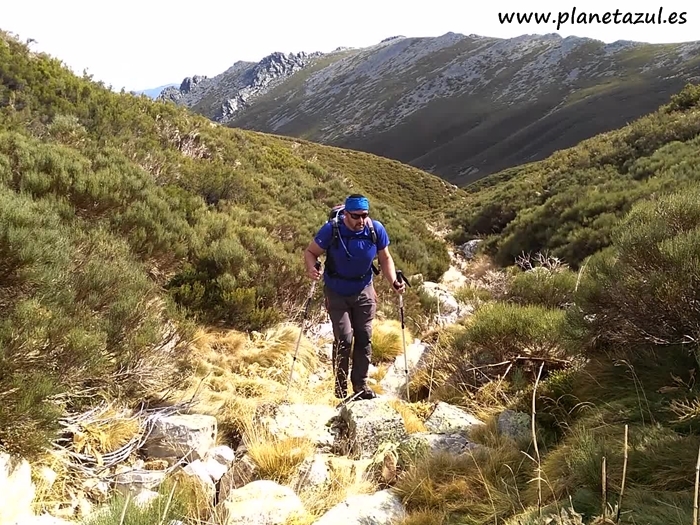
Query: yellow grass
{"points": [[410, 415], [387, 342], [108, 431], [277, 458], [344, 482]]}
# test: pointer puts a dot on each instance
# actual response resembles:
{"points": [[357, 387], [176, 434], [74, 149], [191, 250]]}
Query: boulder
{"points": [[367, 425], [380, 508], [189, 435], [447, 418], [261, 502]]}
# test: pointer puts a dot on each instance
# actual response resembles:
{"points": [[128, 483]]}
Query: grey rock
{"points": [[300, 421], [447, 418], [370, 423], [451, 443], [240, 474], [189, 435], [261, 502], [380, 508], [515, 425]]}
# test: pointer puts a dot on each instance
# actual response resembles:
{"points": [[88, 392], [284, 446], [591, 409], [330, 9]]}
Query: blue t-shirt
{"points": [[362, 253]]}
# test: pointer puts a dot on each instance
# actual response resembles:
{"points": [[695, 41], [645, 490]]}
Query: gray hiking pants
{"points": [[351, 317]]}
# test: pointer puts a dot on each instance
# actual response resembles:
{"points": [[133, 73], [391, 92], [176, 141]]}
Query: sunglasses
{"points": [[357, 216]]}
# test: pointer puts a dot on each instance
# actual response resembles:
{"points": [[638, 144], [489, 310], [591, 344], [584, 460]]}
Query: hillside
{"points": [[124, 221], [569, 203], [461, 107], [148, 255]]}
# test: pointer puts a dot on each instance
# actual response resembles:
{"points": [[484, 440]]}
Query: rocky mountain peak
{"points": [[460, 106], [189, 82], [235, 87]]}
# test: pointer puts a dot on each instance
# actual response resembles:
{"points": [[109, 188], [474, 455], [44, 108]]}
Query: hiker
{"points": [[351, 300]]}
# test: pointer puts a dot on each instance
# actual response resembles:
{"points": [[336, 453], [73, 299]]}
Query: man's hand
{"points": [[400, 282], [399, 286], [315, 271]]}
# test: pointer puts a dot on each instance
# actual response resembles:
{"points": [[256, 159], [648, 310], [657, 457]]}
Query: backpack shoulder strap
{"points": [[372, 232]]}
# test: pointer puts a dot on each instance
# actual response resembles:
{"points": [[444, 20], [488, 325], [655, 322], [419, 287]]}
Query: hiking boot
{"points": [[365, 393]]}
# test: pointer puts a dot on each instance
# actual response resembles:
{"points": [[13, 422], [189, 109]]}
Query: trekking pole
{"points": [[301, 331], [401, 278]]}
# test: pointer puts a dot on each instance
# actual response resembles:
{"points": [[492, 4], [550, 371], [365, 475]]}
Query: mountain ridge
{"points": [[457, 106]]}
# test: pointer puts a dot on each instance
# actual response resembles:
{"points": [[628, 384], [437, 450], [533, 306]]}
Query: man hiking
{"points": [[350, 297]]}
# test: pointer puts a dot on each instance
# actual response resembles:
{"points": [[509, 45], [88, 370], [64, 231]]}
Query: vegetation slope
{"points": [[597, 342], [124, 222], [569, 202]]}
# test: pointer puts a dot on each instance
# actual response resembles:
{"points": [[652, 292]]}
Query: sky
{"points": [[147, 43]]}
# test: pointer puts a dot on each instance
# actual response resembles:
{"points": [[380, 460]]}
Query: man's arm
{"points": [[386, 262], [311, 254]]}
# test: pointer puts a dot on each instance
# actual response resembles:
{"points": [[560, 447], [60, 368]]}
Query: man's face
{"points": [[355, 219]]}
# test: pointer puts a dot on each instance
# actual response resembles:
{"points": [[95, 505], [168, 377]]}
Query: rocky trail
{"points": [[354, 452]]}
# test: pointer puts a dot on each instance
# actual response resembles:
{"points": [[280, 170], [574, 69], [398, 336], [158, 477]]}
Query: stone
{"points": [[16, 490], [370, 423], [136, 480], [240, 474], [301, 421], [515, 425], [425, 441], [380, 508], [393, 383], [261, 502], [313, 472], [447, 418], [190, 435]]}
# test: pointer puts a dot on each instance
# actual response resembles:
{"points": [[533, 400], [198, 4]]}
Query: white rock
{"points": [[16, 490], [180, 435], [314, 471], [200, 471], [394, 381], [380, 508], [447, 418], [301, 421], [215, 469], [222, 454], [261, 502]]}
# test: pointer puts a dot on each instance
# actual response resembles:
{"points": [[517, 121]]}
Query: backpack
{"points": [[334, 217]]}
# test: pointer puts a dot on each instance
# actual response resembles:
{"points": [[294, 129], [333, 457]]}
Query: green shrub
{"points": [[470, 293], [543, 287], [646, 289], [570, 202], [78, 313], [500, 332], [496, 338]]}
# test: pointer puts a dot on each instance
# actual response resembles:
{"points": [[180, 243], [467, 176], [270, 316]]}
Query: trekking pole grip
{"points": [[402, 278]]}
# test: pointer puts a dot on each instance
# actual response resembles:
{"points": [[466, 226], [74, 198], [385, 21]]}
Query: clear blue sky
{"points": [[144, 44]]}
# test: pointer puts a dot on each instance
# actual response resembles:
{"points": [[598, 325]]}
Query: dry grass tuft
{"points": [[272, 350], [479, 267], [112, 429], [191, 495], [480, 484], [387, 342], [411, 416], [424, 517], [277, 458], [344, 483]]}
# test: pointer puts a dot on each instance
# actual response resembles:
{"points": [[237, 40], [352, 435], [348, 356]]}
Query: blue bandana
{"points": [[356, 203]]}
